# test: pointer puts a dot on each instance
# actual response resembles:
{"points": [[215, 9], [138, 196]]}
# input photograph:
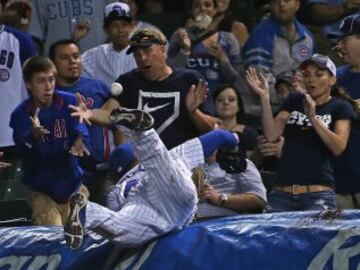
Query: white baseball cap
{"points": [[117, 11], [322, 61]]}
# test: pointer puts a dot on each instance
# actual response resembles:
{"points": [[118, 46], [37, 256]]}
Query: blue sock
{"points": [[216, 139]]}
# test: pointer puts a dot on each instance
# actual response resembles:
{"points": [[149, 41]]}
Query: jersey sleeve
{"points": [[21, 125], [258, 50]]}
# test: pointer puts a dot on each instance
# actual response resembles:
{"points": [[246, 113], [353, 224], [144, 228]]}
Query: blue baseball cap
{"points": [[121, 157], [349, 26]]}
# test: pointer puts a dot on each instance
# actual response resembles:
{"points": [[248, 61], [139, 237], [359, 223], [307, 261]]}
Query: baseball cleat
{"points": [[132, 118], [74, 227]]}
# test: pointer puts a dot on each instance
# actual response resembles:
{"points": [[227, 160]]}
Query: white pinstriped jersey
{"points": [[15, 47], [106, 64], [165, 199]]}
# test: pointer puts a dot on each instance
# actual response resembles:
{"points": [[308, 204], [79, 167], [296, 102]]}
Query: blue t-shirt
{"points": [[165, 101], [48, 166], [347, 169], [305, 158], [95, 93]]}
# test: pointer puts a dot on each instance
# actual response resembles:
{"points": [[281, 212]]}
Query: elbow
{"points": [[339, 149]]}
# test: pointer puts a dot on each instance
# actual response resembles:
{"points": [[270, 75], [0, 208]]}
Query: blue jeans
{"points": [[280, 201]]}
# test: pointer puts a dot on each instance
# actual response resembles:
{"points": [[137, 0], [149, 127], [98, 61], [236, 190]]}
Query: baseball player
{"points": [[165, 198]]}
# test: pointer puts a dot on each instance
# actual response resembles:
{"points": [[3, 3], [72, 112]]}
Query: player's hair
{"points": [[53, 47], [35, 65], [241, 114]]}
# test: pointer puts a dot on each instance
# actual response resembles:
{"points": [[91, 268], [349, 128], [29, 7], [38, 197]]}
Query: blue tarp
{"points": [[301, 240]]}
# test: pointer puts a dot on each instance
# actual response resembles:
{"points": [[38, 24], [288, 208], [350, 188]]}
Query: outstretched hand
{"points": [[37, 130], [196, 96], [78, 148], [81, 111], [257, 82]]}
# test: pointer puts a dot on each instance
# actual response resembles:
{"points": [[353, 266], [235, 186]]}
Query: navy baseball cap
{"points": [[322, 61], [117, 11], [121, 157], [146, 37], [285, 76], [349, 26]]}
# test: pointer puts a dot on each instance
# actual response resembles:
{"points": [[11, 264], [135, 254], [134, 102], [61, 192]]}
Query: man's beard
{"points": [[71, 80]]}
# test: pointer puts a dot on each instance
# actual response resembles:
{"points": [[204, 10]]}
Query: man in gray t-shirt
{"points": [[226, 194], [53, 20]]}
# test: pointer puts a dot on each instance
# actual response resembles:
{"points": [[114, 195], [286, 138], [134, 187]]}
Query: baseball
{"points": [[116, 89]]}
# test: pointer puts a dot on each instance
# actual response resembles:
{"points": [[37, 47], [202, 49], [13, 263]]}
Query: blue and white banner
{"points": [[302, 240]]}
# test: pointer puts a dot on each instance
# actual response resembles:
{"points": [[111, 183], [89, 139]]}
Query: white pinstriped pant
{"points": [[164, 201]]}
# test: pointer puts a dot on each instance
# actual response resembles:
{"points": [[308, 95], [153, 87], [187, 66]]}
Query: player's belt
{"points": [[301, 189]]}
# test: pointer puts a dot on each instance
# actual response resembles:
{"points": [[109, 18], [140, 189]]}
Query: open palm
{"points": [[81, 111], [257, 82]]}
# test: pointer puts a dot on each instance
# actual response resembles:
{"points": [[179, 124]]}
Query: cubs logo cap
{"points": [[143, 38], [322, 61], [117, 11]]}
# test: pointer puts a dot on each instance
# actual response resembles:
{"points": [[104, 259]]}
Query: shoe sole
{"points": [[134, 119], [73, 230]]}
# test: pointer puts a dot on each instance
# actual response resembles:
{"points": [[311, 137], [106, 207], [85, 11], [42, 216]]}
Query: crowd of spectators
{"points": [[293, 110]]}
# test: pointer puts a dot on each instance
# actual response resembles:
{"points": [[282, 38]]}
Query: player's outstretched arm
{"points": [[96, 116]]}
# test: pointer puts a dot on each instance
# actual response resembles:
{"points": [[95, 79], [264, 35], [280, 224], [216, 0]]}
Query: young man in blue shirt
{"points": [[49, 140]]}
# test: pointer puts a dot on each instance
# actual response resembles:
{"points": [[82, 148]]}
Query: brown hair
{"points": [[37, 64]]}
